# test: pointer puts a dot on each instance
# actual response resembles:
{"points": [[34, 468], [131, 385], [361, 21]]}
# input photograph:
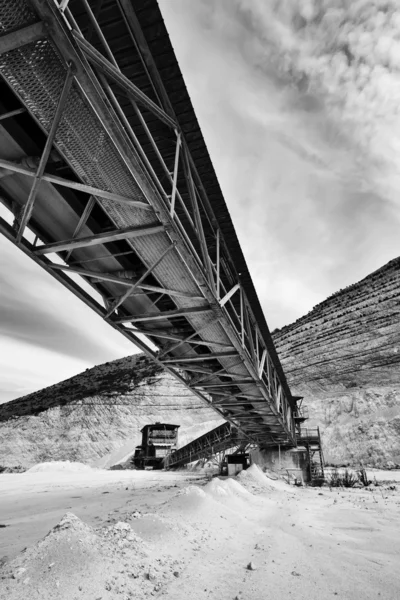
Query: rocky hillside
{"points": [[96, 417], [344, 358]]}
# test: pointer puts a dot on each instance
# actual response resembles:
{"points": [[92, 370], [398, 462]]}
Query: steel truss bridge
{"points": [[110, 189]]}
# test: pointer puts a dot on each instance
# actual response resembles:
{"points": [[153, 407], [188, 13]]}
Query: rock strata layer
{"points": [[344, 358]]}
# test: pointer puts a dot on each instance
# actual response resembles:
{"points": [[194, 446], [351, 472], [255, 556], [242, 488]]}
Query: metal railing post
{"points": [[175, 176]]}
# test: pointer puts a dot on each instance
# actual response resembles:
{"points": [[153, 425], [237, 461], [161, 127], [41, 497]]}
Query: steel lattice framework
{"points": [[112, 192], [223, 437]]}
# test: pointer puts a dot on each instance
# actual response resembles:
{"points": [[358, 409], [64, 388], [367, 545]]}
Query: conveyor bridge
{"points": [[109, 187], [219, 439]]}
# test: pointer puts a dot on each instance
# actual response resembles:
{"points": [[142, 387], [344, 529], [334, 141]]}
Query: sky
{"points": [[298, 104]]}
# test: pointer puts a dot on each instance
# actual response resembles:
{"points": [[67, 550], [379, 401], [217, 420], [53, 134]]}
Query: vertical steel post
{"points": [[242, 315], [197, 218], [257, 346], [175, 177], [218, 265], [45, 155]]}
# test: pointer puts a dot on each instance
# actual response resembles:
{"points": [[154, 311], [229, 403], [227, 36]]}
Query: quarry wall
{"points": [[344, 358]]}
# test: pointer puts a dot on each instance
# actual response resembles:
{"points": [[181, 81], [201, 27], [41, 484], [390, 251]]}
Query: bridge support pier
{"points": [[283, 461]]}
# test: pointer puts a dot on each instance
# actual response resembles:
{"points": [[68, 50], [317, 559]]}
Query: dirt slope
{"points": [[344, 358], [96, 417]]}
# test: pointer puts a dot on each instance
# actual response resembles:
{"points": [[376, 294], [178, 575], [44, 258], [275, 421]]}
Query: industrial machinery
{"points": [[158, 440]]}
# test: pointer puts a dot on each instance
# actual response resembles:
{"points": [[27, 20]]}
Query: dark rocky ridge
{"points": [[96, 416], [344, 358]]}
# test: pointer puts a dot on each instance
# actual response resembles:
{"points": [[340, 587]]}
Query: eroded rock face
{"points": [[96, 417], [344, 358]]}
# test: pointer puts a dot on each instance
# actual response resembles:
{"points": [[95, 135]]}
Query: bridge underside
{"points": [[109, 187]]}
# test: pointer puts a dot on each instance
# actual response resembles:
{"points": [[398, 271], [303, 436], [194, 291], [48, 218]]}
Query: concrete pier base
{"points": [[287, 462]]}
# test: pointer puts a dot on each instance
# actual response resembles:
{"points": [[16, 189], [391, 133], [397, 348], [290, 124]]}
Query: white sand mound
{"points": [[255, 472], [255, 479], [75, 559], [60, 465], [236, 488], [216, 487], [192, 490], [191, 501], [230, 494]]}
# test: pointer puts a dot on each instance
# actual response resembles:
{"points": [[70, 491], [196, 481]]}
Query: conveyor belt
{"points": [[111, 175], [217, 440]]}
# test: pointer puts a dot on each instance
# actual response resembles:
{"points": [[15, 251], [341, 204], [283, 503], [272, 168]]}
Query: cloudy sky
{"points": [[299, 105], [46, 334]]}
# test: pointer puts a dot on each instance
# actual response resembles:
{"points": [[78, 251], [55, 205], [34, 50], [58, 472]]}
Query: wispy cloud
{"points": [[46, 334], [345, 56], [302, 125]]}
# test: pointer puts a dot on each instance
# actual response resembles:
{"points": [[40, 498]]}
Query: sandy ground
{"points": [[147, 534]]}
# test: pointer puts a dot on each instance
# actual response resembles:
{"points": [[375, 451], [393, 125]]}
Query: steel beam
{"points": [[163, 291], [226, 383], [239, 396], [100, 238], [75, 185], [63, 5], [22, 37], [197, 217], [114, 279], [240, 403], [223, 372], [137, 283], [262, 362], [27, 211], [168, 314], [174, 338], [175, 177], [216, 355], [12, 113], [229, 295], [195, 369], [94, 258], [218, 263], [82, 221], [136, 33], [187, 339], [97, 59]]}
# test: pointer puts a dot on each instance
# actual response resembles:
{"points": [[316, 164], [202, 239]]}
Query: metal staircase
{"points": [[310, 439]]}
